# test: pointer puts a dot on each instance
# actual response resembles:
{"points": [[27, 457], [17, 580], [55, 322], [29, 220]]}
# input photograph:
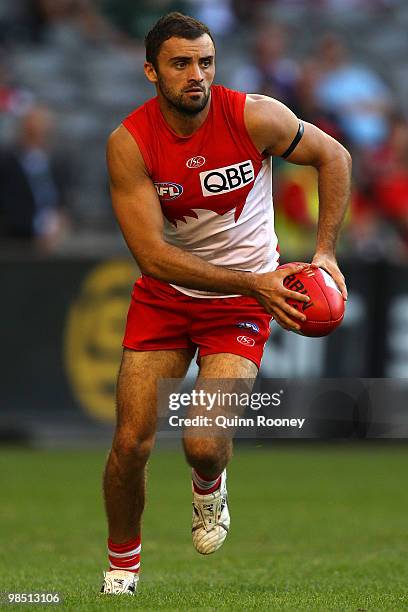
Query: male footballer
{"points": [[190, 173]]}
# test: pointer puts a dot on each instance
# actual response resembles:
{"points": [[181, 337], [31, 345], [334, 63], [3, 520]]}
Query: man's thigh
{"points": [[138, 378], [225, 378], [227, 365]]}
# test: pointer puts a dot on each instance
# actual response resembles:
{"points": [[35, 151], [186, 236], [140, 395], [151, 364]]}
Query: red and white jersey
{"points": [[214, 187]]}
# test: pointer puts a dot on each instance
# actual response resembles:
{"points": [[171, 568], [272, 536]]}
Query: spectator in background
{"points": [[384, 193], [357, 5], [296, 209], [353, 93], [135, 18], [70, 21], [217, 14], [13, 99], [11, 18], [309, 107], [243, 7], [33, 185], [271, 71]]}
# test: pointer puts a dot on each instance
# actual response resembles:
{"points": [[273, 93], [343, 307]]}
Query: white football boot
{"points": [[119, 582], [211, 519]]}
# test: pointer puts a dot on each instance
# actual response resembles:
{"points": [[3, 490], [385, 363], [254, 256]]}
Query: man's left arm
{"points": [[273, 128]]}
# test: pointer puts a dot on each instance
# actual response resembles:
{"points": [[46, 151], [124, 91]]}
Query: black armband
{"points": [[295, 141]]}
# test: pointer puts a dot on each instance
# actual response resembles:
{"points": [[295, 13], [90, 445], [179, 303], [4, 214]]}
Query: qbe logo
{"points": [[229, 178], [168, 191]]}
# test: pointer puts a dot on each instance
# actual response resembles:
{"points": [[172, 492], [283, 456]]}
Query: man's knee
{"points": [[133, 449], [207, 455]]}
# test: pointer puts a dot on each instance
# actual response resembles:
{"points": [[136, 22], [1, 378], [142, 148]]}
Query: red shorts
{"points": [[161, 317]]}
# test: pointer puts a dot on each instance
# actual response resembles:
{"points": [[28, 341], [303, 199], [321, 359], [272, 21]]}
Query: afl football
{"points": [[325, 310]]}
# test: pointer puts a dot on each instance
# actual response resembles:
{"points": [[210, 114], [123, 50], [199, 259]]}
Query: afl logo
{"points": [[195, 162], [168, 191], [246, 341], [249, 325]]}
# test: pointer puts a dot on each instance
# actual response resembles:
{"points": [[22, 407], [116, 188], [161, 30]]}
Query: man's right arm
{"points": [[137, 209]]}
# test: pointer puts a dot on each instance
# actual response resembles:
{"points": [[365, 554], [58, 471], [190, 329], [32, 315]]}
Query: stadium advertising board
{"points": [[65, 327]]}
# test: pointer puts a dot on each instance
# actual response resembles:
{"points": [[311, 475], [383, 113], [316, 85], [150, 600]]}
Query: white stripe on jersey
{"points": [[249, 245]]}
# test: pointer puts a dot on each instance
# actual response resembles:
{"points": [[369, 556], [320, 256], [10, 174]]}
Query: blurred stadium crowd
{"points": [[70, 70]]}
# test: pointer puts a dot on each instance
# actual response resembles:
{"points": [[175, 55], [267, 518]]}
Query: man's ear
{"points": [[150, 72]]}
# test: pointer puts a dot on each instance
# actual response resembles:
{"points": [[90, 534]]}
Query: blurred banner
{"points": [[62, 327]]}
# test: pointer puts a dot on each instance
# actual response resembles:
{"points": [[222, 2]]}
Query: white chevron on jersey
{"points": [[248, 244]]}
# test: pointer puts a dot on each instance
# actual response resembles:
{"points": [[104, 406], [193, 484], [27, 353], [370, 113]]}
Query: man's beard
{"points": [[176, 101]]}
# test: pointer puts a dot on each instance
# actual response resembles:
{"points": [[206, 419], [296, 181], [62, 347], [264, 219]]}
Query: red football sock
{"points": [[125, 556], [202, 485]]}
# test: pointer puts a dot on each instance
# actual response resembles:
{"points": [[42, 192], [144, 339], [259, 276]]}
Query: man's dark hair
{"points": [[173, 24]]}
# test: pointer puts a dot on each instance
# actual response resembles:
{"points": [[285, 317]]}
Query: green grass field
{"points": [[313, 528]]}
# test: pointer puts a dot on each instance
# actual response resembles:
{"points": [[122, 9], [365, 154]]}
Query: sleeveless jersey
{"points": [[215, 188]]}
